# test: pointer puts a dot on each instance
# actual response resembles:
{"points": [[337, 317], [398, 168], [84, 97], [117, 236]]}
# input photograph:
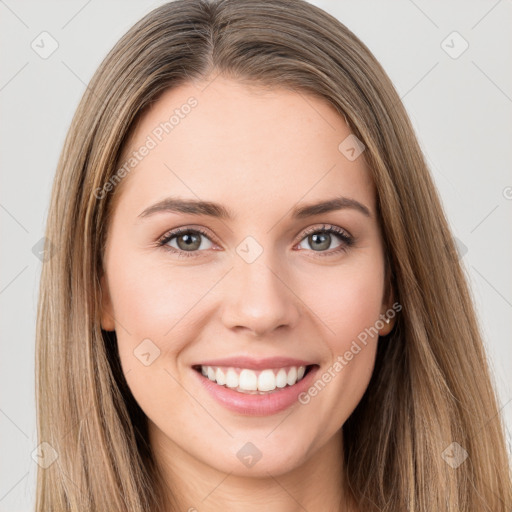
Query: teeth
{"points": [[281, 378], [292, 376], [250, 381], [231, 379], [220, 377], [266, 381]]}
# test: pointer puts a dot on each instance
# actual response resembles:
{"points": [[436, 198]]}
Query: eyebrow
{"points": [[216, 210]]}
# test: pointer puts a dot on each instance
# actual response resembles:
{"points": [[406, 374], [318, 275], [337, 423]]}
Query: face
{"points": [[248, 290]]}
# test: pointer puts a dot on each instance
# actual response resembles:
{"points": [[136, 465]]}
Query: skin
{"points": [[259, 153]]}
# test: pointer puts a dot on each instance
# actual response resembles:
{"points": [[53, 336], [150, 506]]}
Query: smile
{"points": [[256, 391], [249, 381]]}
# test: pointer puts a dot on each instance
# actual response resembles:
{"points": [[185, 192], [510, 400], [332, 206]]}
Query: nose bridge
{"points": [[258, 297]]}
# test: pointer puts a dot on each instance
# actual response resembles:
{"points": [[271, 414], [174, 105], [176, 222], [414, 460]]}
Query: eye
{"points": [[188, 241], [321, 238]]}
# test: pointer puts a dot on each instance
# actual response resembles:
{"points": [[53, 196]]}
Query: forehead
{"points": [[248, 146]]}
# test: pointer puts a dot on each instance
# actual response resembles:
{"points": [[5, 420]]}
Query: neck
{"points": [[193, 486]]}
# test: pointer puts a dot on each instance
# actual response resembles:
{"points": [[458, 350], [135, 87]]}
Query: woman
{"points": [[256, 299]]}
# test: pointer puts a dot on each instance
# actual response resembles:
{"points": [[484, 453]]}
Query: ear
{"points": [[107, 311], [387, 319]]}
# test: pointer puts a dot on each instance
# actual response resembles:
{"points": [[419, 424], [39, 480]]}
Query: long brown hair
{"points": [[431, 385]]}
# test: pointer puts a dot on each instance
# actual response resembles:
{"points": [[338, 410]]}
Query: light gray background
{"points": [[460, 107]]}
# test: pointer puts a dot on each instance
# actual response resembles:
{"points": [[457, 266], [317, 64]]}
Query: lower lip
{"points": [[258, 405]]}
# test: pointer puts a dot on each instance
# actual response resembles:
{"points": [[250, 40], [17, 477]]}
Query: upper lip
{"points": [[255, 364]]}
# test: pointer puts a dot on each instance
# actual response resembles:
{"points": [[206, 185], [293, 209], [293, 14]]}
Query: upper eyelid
{"points": [[172, 233], [325, 227]]}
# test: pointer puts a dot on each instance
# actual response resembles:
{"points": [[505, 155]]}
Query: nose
{"points": [[259, 298]]}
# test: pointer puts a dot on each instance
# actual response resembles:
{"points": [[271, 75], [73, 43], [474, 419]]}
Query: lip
{"points": [[255, 364], [257, 405]]}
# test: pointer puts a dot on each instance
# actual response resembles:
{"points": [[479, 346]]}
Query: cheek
{"points": [[155, 321], [156, 300], [349, 308], [349, 303]]}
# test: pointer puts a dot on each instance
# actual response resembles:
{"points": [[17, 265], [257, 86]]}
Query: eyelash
{"points": [[347, 240]]}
